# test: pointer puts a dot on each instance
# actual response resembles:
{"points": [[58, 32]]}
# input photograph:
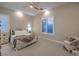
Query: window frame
{"points": [[46, 25]]}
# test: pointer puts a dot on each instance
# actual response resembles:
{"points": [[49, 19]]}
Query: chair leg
{"points": [[70, 51], [65, 48]]}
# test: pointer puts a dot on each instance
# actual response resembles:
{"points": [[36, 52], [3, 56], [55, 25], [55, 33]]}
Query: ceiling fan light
{"points": [[31, 6]]}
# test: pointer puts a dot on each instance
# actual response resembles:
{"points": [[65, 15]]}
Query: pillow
{"points": [[22, 32]]}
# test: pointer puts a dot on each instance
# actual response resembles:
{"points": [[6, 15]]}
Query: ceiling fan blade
{"points": [[41, 8], [36, 8], [26, 6]]}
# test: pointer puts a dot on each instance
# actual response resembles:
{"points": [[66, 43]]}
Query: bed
{"points": [[22, 39]]}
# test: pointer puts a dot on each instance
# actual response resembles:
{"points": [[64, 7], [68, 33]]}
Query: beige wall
{"points": [[16, 22], [20, 22], [66, 21]]}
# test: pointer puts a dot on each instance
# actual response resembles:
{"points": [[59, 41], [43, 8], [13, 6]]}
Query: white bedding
{"points": [[22, 32], [18, 33]]}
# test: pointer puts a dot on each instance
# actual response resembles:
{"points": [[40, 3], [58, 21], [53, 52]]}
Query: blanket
{"points": [[24, 38]]}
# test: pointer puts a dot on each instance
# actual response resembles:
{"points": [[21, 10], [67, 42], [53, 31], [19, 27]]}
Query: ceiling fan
{"points": [[33, 5]]}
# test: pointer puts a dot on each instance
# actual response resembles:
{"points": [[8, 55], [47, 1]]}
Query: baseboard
{"points": [[56, 41]]}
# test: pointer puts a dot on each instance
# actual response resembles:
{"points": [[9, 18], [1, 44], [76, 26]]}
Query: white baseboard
{"points": [[56, 41]]}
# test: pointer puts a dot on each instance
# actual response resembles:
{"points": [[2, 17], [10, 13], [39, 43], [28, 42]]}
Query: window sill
{"points": [[45, 33]]}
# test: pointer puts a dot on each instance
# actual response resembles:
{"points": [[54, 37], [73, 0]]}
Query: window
{"points": [[4, 23], [48, 24], [44, 25]]}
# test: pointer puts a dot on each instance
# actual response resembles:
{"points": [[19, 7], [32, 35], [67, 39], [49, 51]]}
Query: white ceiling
{"points": [[19, 6]]}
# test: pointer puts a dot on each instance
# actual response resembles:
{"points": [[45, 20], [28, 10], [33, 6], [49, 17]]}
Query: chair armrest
{"points": [[67, 42]]}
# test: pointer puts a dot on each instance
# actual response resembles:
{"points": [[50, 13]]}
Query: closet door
{"points": [[4, 29]]}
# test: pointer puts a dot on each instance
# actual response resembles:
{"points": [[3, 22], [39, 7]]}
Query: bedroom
{"points": [[65, 24]]}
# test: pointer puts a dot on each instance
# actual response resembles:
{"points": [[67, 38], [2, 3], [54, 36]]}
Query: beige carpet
{"points": [[42, 48]]}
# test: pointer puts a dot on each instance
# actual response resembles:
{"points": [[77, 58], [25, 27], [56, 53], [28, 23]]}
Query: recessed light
{"points": [[47, 12], [19, 13]]}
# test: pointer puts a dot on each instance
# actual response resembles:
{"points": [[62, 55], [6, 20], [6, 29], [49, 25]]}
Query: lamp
{"points": [[29, 28]]}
